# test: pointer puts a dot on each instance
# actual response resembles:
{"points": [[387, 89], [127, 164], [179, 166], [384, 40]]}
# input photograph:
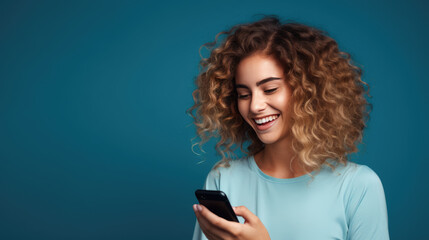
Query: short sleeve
{"points": [[211, 183], [366, 207]]}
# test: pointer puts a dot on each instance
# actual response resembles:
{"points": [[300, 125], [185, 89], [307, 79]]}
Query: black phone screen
{"points": [[217, 202]]}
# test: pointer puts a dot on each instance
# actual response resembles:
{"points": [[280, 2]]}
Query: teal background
{"points": [[94, 138]]}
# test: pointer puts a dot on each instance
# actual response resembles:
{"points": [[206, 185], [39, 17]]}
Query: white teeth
{"points": [[266, 119]]}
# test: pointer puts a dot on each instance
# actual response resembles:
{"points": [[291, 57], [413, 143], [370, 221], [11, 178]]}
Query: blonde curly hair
{"points": [[329, 110]]}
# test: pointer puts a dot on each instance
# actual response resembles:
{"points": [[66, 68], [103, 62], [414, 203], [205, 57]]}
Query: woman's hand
{"points": [[215, 227]]}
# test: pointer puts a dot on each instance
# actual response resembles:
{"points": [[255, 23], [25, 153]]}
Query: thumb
{"points": [[246, 214]]}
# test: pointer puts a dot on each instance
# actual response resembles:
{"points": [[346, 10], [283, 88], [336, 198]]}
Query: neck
{"points": [[279, 160]]}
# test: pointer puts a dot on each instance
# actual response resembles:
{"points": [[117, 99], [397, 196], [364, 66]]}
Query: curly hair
{"points": [[329, 110]]}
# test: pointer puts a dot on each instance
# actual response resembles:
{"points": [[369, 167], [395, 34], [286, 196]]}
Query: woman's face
{"points": [[264, 98]]}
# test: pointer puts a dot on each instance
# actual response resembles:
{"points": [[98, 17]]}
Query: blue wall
{"points": [[94, 139]]}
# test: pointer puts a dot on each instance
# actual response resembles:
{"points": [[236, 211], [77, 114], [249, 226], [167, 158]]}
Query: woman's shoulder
{"points": [[358, 178], [357, 172], [232, 166], [235, 169]]}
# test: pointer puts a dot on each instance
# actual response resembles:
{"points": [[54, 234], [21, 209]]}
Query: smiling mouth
{"points": [[266, 120]]}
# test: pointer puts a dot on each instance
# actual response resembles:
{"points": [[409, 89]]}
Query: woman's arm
{"points": [[366, 207]]}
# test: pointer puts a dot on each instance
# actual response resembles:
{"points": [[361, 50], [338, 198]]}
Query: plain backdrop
{"points": [[95, 142]]}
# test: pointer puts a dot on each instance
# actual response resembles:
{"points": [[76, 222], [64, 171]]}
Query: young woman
{"points": [[296, 101]]}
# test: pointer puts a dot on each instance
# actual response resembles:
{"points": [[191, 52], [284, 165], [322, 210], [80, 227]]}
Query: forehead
{"points": [[257, 67]]}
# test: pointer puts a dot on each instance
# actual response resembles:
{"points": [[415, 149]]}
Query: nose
{"points": [[258, 103]]}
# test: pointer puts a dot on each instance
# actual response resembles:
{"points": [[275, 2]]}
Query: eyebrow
{"points": [[265, 80]]}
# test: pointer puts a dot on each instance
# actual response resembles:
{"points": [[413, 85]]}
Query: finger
{"points": [[212, 231], [246, 214], [224, 226], [205, 226]]}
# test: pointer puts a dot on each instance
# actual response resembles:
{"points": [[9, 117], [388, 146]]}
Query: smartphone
{"points": [[217, 203]]}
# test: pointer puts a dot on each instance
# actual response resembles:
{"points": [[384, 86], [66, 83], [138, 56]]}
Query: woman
{"points": [[297, 102]]}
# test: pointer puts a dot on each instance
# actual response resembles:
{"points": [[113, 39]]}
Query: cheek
{"points": [[283, 102]]}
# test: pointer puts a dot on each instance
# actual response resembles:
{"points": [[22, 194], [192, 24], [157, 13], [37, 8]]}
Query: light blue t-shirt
{"points": [[347, 203]]}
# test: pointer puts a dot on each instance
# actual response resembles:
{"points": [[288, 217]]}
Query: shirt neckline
{"points": [[256, 168]]}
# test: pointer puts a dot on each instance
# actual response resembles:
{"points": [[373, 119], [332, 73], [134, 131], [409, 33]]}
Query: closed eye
{"points": [[243, 96], [270, 90]]}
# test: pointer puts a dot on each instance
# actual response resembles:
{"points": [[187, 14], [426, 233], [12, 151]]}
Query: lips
{"points": [[265, 122], [266, 119]]}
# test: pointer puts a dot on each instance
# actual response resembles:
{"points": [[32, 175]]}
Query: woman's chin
{"points": [[270, 138], [267, 140]]}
